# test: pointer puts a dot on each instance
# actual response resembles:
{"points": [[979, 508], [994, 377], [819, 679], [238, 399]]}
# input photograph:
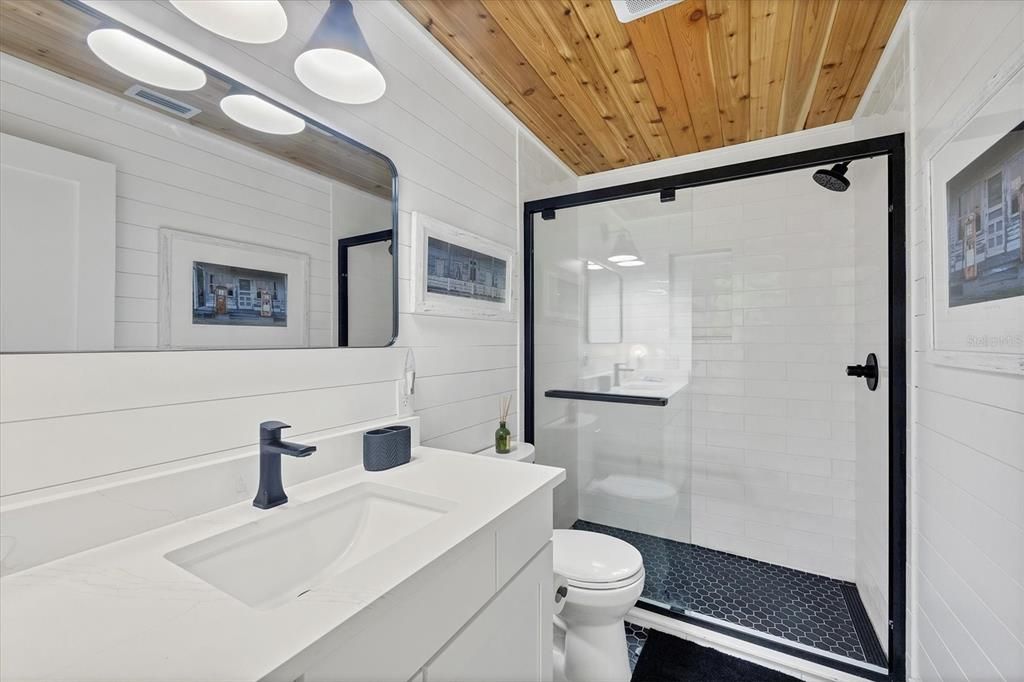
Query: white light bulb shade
{"points": [[337, 63], [623, 249], [631, 264], [259, 114], [591, 265], [247, 21], [142, 61]]}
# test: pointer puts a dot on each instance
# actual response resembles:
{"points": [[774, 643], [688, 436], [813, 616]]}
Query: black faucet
{"points": [[271, 492]]}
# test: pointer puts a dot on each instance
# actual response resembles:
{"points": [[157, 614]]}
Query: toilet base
{"points": [[591, 653]]}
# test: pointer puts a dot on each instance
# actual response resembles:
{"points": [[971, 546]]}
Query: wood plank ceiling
{"points": [[697, 75]]}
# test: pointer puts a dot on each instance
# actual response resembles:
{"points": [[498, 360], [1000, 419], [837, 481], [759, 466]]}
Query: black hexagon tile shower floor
{"points": [[797, 606]]}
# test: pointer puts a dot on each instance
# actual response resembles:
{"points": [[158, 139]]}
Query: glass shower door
{"points": [[613, 327]]}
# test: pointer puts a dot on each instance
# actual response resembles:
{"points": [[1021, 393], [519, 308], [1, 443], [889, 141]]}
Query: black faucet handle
{"points": [[271, 431]]}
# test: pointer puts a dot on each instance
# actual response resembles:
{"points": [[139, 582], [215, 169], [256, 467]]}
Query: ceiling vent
{"points": [[628, 10], [155, 99]]}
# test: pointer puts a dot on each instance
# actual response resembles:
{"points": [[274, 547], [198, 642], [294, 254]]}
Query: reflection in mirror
{"points": [[364, 291], [604, 304], [137, 217]]}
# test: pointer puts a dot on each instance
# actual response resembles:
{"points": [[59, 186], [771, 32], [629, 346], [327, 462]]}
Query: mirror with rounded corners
{"points": [[135, 216]]}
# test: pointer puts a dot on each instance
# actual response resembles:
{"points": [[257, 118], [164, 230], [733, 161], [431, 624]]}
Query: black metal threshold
{"points": [[766, 642], [607, 397]]}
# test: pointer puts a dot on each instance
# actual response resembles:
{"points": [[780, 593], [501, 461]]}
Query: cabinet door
{"points": [[509, 640]]}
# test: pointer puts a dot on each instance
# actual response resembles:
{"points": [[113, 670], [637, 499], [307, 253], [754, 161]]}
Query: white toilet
{"points": [[605, 577]]}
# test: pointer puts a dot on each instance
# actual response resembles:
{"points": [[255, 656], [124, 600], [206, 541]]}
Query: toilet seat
{"points": [[593, 561]]}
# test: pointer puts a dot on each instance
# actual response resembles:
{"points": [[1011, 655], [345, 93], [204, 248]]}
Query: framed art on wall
{"points": [[457, 273], [977, 246], [219, 293]]}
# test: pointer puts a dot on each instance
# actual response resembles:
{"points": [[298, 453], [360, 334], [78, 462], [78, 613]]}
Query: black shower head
{"points": [[833, 178]]}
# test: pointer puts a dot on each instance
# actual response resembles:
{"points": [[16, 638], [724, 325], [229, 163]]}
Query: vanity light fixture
{"points": [[143, 61], [631, 263], [623, 249], [591, 265], [337, 63], [257, 113], [247, 21]]}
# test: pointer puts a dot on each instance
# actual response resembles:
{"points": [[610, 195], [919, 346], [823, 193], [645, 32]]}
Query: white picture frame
{"points": [[981, 334], [180, 249], [481, 283]]}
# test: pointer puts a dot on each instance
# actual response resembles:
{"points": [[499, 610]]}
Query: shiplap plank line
{"points": [[130, 442], [176, 377]]}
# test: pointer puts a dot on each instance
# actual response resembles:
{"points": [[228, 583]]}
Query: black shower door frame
{"points": [[889, 146]]}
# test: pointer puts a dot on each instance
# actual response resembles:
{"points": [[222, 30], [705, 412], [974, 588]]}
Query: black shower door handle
{"points": [[869, 371]]}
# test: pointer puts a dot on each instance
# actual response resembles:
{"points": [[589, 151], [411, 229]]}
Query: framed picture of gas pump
{"points": [[977, 236], [219, 293]]}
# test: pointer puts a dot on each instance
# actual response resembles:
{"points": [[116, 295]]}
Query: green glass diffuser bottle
{"points": [[503, 437], [502, 440]]}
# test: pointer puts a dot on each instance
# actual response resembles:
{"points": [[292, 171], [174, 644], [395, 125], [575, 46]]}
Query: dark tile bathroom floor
{"points": [[635, 638], [810, 609]]}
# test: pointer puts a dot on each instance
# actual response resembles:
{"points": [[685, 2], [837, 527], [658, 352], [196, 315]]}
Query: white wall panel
{"points": [[966, 428]]}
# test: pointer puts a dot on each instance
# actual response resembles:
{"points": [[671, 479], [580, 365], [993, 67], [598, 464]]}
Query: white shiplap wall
{"points": [[966, 574], [66, 418]]}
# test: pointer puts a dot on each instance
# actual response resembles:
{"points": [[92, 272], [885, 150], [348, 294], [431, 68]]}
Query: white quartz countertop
{"points": [[125, 612]]}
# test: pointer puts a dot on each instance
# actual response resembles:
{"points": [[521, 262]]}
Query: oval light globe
{"points": [[340, 76], [143, 61], [259, 114], [247, 21]]}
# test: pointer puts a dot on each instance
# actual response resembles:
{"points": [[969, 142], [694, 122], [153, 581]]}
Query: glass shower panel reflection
{"points": [[614, 317]]}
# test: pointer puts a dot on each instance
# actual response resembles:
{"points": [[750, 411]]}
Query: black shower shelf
{"points": [[608, 397]]}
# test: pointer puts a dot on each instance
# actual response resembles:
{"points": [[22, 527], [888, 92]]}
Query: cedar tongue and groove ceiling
{"points": [[697, 75]]}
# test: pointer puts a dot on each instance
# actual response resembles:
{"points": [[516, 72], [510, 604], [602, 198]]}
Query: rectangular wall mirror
{"points": [[604, 304], [135, 217]]}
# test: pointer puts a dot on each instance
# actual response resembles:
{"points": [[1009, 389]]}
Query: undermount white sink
{"points": [[269, 562]]}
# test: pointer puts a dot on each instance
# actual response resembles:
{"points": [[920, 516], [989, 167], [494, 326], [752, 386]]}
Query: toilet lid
{"points": [[594, 558]]}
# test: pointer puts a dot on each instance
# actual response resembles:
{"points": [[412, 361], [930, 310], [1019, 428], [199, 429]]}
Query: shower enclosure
{"points": [[687, 349]]}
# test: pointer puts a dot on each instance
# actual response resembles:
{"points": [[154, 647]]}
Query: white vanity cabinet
{"points": [[509, 640], [481, 613]]}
